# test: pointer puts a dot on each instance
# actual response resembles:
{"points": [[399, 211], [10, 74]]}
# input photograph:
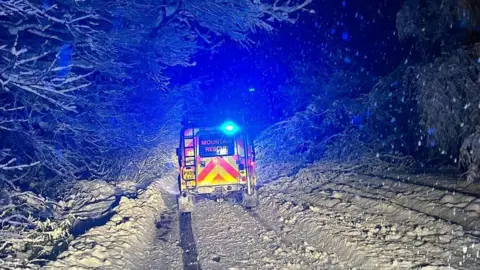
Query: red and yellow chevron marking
{"points": [[190, 132], [218, 171], [189, 152], [188, 142]]}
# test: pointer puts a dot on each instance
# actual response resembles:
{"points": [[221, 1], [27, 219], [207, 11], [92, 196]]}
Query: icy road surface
{"points": [[225, 236], [315, 220], [312, 220]]}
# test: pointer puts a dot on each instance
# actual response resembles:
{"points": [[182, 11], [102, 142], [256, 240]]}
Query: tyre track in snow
{"points": [[440, 199], [166, 253], [228, 237], [436, 201], [225, 236], [425, 181], [175, 246], [367, 226], [187, 242], [411, 200]]}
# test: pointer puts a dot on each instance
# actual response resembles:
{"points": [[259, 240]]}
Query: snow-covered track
{"points": [[228, 237], [311, 220], [377, 223]]}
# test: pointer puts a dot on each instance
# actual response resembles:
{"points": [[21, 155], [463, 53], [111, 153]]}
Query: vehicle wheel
{"points": [[185, 203], [250, 201]]}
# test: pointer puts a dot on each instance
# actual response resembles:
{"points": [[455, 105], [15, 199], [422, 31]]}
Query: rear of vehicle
{"points": [[215, 161]]}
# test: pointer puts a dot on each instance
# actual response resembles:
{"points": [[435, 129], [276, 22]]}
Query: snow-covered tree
{"points": [[443, 24], [83, 83]]}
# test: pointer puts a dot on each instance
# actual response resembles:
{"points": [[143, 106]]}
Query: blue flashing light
{"points": [[251, 89], [229, 128]]}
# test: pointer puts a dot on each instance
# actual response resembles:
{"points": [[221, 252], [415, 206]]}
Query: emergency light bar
{"points": [[229, 128]]}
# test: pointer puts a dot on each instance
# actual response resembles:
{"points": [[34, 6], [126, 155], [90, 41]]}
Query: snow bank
{"points": [[118, 243], [90, 199]]}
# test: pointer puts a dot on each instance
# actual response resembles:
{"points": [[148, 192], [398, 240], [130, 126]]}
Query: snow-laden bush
{"points": [[359, 150], [29, 231], [34, 228], [412, 18], [392, 114], [336, 128], [470, 156], [429, 109], [310, 137], [448, 99], [438, 25], [431, 20], [288, 145]]}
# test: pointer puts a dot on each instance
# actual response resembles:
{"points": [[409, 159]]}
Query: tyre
{"points": [[185, 203], [250, 201]]}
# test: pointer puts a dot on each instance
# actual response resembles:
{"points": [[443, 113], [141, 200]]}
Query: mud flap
{"points": [[250, 200], [185, 204]]}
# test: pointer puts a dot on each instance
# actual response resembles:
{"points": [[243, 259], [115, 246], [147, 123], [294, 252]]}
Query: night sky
{"points": [[348, 35]]}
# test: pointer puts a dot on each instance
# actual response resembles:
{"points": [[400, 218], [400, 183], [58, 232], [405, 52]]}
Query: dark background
{"points": [[347, 35]]}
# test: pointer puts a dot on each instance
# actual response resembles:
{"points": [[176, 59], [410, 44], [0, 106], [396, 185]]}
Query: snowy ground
{"points": [[227, 237], [317, 220], [120, 242], [375, 223]]}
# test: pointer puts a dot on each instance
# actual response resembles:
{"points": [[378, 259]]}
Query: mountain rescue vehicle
{"points": [[215, 160]]}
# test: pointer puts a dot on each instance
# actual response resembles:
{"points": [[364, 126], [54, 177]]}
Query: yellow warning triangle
{"points": [[218, 177]]}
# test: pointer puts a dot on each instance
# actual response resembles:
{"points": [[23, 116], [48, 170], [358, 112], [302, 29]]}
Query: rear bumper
{"points": [[217, 190]]}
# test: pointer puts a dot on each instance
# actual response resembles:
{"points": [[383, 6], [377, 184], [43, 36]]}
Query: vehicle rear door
{"points": [[216, 160]]}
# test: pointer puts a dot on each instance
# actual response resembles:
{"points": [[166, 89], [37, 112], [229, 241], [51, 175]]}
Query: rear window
{"points": [[216, 145]]}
